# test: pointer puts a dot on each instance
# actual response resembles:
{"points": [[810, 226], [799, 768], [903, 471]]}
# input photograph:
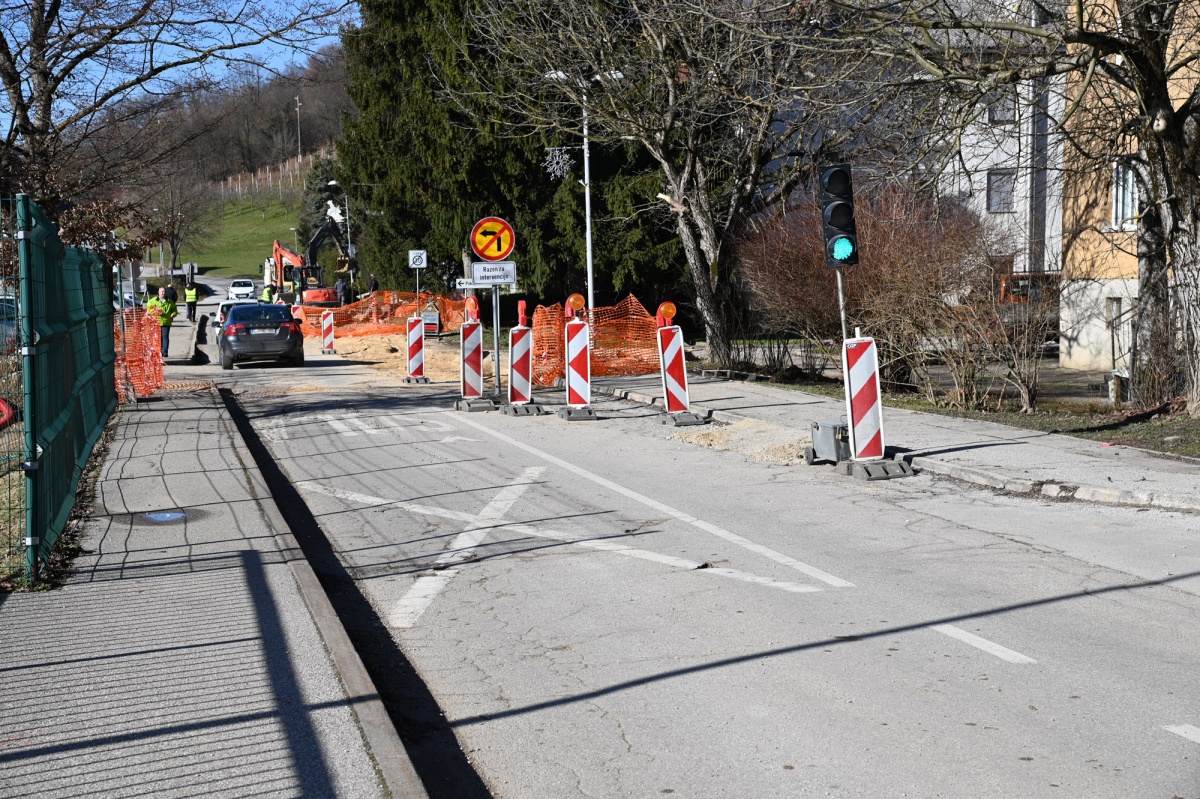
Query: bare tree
{"points": [[734, 122], [88, 84], [1128, 72]]}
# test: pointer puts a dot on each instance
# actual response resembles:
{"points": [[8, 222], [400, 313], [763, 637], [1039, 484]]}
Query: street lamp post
{"points": [[559, 75], [295, 238]]}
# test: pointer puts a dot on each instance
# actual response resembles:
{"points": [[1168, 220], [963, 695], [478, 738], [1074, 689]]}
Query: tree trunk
{"points": [[1187, 306], [1152, 359], [710, 286]]}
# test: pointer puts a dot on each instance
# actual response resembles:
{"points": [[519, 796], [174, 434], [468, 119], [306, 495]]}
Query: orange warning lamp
{"points": [[574, 303], [666, 312], [472, 305], [521, 313]]}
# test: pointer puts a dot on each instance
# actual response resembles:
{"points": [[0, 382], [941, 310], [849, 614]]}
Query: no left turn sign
{"points": [[492, 238]]}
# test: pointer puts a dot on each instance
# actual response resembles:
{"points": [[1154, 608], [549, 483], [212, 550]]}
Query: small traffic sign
{"points": [[493, 239], [494, 273], [416, 259]]}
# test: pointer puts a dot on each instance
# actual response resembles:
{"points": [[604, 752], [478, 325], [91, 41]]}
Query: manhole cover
{"points": [[164, 516]]}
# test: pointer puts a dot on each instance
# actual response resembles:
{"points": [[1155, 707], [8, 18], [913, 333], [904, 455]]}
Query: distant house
{"points": [[1100, 268], [1008, 170]]}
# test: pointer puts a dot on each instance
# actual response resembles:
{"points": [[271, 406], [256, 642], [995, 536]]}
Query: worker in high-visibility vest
{"points": [[191, 296], [268, 292]]}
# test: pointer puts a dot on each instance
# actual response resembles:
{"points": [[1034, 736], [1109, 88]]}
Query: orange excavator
{"points": [[285, 270]]}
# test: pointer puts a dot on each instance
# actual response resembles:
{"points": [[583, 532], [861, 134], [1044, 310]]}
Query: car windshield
{"points": [[241, 284], [259, 313]]}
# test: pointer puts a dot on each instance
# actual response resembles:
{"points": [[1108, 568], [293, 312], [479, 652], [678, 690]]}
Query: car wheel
{"points": [[298, 360], [226, 360], [810, 456]]}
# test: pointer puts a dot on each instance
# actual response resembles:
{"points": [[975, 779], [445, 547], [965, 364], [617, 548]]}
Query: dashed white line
{"points": [[991, 647], [1186, 730], [778, 557]]}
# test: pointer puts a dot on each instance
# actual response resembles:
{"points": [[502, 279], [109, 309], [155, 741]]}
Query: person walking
{"points": [[374, 284], [339, 288], [172, 294], [164, 310], [268, 294], [191, 296]]}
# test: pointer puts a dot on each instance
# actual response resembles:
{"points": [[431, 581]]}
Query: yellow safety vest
{"points": [[267, 292], [191, 295]]}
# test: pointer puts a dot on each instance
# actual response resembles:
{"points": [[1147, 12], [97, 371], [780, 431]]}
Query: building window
{"points": [[1001, 185], [1002, 106], [1125, 198]]}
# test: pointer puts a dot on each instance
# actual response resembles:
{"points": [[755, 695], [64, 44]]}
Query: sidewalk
{"points": [[193, 652], [1007, 458]]}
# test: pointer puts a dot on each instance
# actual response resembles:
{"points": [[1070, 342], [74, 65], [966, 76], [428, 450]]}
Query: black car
{"points": [[260, 333]]}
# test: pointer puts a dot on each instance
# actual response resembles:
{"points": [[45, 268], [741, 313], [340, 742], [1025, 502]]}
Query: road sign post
{"points": [[417, 260]]}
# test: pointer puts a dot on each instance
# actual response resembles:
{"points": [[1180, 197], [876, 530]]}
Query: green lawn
{"points": [[244, 240]]}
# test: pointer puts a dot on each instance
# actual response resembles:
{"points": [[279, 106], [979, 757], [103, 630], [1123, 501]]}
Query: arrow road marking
{"points": [[734, 538], [422, 593], [429, 585]]}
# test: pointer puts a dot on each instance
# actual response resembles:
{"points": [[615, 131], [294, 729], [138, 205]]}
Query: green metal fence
{"points": [[56, 373], [12, 396]]}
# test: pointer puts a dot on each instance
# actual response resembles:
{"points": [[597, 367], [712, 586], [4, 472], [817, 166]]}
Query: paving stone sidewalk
{"points": [[193, 652]]}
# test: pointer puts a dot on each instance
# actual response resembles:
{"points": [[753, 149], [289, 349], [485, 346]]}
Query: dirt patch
{"points": [[752, 439], [389, 354]]}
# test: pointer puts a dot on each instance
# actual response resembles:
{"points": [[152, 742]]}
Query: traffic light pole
{"points": [[841, 302]]}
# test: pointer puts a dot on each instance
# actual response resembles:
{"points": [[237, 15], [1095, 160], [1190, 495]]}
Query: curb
{"points": [[656, 401], [383, 742], [970, 474], [1056, 490]]}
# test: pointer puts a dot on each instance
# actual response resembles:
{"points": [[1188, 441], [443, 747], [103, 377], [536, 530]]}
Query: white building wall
{"points": [[1031, 233], [1094, 324]]}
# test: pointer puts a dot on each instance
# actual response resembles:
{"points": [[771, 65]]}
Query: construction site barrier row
{"points": [[383, 313], [139, 368], [624, 341]]}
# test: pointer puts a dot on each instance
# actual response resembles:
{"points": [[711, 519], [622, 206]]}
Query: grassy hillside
{"points": [[244, 240]]}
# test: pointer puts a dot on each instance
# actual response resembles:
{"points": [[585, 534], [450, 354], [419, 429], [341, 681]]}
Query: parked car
{"points": [[260, 332], [223, 310], [241, 289], [130, 300]]}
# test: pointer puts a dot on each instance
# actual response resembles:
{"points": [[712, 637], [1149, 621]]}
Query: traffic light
{"points": [[837, 216]]}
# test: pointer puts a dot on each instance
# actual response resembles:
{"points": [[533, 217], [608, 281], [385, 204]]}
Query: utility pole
{"points": [[299, 151]]}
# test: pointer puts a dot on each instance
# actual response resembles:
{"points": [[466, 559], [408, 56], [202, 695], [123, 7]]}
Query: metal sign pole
{"points": [[841, 302], [496, 335]]}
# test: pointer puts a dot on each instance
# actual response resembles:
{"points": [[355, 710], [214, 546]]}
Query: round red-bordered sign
{"points": [[493, 239]]}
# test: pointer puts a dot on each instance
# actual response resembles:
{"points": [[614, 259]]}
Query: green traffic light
{"points": [[842, 248]]}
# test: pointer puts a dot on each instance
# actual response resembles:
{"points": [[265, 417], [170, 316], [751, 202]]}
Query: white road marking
{"points": [[990, 647], [427, 587], [452, 439], [554, 535], [1186, 730], [778, 557]]}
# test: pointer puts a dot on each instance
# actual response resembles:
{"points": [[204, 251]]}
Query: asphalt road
{"points": [[602, 611]]}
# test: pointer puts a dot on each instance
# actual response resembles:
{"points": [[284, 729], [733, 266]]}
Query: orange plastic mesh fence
{"points": [[139, 369], [381, 313], [623, 342]]}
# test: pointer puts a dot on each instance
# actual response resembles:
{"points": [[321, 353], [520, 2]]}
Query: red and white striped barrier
{"points": [[579, 365], [416, 346], [472, 360], [327, 332], [860, 364], [520, 365], [674, 373]]}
